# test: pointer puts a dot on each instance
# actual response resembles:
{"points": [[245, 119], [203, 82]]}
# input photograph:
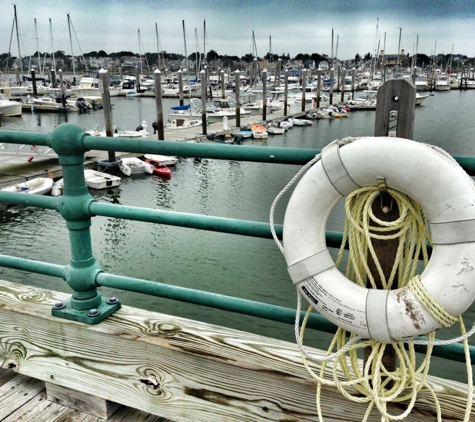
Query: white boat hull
{"points": [[133, 165], [36, 186], [10, 108], [99, 180], [164, 159]]}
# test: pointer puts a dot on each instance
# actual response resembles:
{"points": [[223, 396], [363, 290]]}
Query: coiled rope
{"points": [[377, 385]]}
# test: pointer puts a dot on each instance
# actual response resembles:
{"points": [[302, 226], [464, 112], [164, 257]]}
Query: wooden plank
{"points": [[16, 392], [92, 405], [168, 366]]}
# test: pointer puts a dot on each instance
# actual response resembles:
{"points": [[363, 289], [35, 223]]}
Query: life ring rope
{"points": [[440, 314]]}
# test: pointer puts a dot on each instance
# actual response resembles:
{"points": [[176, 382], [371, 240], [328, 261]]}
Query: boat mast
{"points": [[204, 43], [18, 38], [398, 52], [186, 52], [449, 64], [51, 36], [158, 44], [197, 54], [37, 47], [71, 43], [140, 54]]}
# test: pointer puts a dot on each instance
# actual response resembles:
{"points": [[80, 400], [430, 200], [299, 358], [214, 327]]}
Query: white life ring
{"points": [[447, 196]]}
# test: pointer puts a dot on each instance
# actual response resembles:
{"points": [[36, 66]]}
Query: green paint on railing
{"points": [[77, 208]]}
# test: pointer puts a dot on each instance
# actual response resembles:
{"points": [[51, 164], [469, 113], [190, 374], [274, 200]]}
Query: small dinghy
{"points": [[98, 180], [274, 130], [259, 132], [133, 165], [164, 159], [36, 186], [159, 168]]}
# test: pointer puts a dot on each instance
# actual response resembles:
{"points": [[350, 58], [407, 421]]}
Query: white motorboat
{"points": [[90, 86], [117, 132], [53, 103], [422, 83], [36, 186], [9, 108], [442, 83], [219, 108], [176, 123], [99, 180], [133, 165], [164, 159], [420, 98]]}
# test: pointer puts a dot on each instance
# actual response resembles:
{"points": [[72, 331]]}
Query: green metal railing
{"points": [[78, 207]]}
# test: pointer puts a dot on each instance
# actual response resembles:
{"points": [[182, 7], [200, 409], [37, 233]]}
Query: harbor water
{"points": [[230, 265]]}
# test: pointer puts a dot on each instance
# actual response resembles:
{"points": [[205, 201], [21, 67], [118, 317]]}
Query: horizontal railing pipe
{"points": [[203, 150], [30, 265], [39, 201], [196, 221]]}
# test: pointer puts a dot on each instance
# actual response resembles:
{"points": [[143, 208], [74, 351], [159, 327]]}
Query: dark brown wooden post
{"points": [[396, 103]]}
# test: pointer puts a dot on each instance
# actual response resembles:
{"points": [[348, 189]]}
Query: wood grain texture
{"points": [[396, 95], [175, 368], [92, 405]]}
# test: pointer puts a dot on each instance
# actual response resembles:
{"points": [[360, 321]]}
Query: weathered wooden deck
{"points": [[26, 399], [182, 370]]}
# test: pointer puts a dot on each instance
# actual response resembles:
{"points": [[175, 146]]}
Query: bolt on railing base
{"points": [[92, 316]]}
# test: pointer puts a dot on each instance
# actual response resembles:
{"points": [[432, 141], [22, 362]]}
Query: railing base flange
{"points": [[91, 317]]}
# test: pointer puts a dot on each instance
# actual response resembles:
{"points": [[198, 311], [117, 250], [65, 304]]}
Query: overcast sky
{"points": [[302, 26]]}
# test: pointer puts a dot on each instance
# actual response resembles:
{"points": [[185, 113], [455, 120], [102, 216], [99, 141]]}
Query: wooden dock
{"points": [[166, 366]]}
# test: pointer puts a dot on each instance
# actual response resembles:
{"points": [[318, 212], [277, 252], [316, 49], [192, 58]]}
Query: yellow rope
{"points": [[437, 312], [377, 385]]}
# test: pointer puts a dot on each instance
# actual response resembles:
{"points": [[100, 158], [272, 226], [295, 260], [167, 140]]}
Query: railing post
{"points": [[86, 303]]}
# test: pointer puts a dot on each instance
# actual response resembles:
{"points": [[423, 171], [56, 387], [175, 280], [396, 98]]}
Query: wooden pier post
{"points": [[277, 73], [264, 94], [304, 87], [33, 83], [332, 77], [353, 80], [53, 79], [223, 85], [343, 76], [286, 90], [237, 89], [61, 88], [319, 87], [157, 79], [396, 103], [203, 102], [180, 86], [106, 103]]}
